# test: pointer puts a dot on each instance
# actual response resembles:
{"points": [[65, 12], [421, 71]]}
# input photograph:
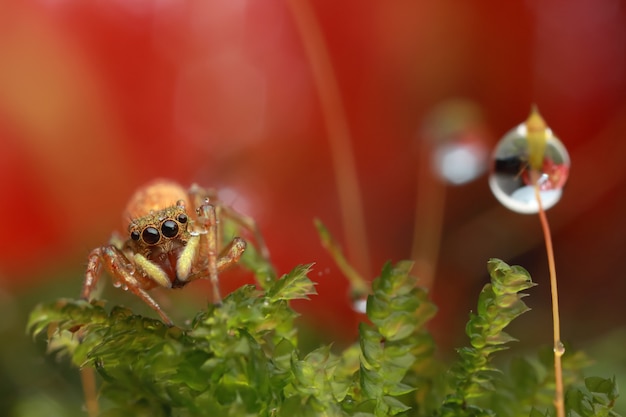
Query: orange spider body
{"points": [[168, 245]]}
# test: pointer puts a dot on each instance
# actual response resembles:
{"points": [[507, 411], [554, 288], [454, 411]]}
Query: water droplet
{"points": [[521, 160], [360, 305], [459, 163], [559, 348], [129, 268], [455, 132], [117, 284]]}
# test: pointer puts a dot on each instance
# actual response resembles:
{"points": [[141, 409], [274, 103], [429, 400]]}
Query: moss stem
{"points": [[333, 112], [558, 345], [88, 380], [429, 216]]}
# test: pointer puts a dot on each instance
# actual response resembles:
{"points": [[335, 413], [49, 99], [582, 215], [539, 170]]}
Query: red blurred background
{"points": [[97, 98]]}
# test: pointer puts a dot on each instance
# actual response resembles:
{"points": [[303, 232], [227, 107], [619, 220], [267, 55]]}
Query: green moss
{"points": [[242, 358]]}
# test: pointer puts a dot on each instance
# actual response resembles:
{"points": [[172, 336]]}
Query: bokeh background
{"points": [[282, 105]]}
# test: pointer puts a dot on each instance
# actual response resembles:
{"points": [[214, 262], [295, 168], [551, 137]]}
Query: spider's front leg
{"points": [[209, 244], [200, 195], [121, 271], [216, 261]]}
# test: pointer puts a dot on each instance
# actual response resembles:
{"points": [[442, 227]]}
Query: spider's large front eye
{"points": [[150, 235], [169, 228]]}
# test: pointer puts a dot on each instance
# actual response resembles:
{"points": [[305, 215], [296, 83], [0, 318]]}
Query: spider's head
{"points": [[159, 227], [156, 215]]}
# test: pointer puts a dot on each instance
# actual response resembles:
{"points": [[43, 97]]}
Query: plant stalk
{"points": [[429, 216], [333, 111], [559, 349], [88, 380], [359, 287]]}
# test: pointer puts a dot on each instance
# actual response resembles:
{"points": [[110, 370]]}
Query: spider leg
{"points": [[94, 264], [206, 214], [200, 195], [122, 271], [228, 257], [93, 272], [231, 254]]}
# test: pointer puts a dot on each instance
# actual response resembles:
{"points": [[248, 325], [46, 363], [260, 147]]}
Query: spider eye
{"points": [[169, 228], [134, 235], [150, 235], [182, 218]]}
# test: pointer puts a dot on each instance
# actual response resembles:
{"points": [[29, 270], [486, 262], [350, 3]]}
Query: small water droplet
{"points": [[130, 269], [460, 163], [512, 180], [559, 348], [117, 284], [360, 305], [125, 287], [455, 131]]}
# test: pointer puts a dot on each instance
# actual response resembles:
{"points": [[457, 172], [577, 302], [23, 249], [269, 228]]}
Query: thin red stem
{"points": [[558, 345], [350, 200], [88, 380], [428, 226]]}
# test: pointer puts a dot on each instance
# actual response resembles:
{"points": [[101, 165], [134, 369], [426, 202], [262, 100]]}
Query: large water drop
{"points": [[526, 156]]}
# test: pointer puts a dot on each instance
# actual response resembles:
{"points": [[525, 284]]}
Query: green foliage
{"points": [[396, 341], [527, 389], [499, 304], [242, 358], [597, 398], [222, 365]]}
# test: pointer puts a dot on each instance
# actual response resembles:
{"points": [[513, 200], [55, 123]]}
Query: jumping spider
{"points": [[167, 244]]}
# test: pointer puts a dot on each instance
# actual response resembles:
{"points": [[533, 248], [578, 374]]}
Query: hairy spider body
{"points": [[168, 245]]}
